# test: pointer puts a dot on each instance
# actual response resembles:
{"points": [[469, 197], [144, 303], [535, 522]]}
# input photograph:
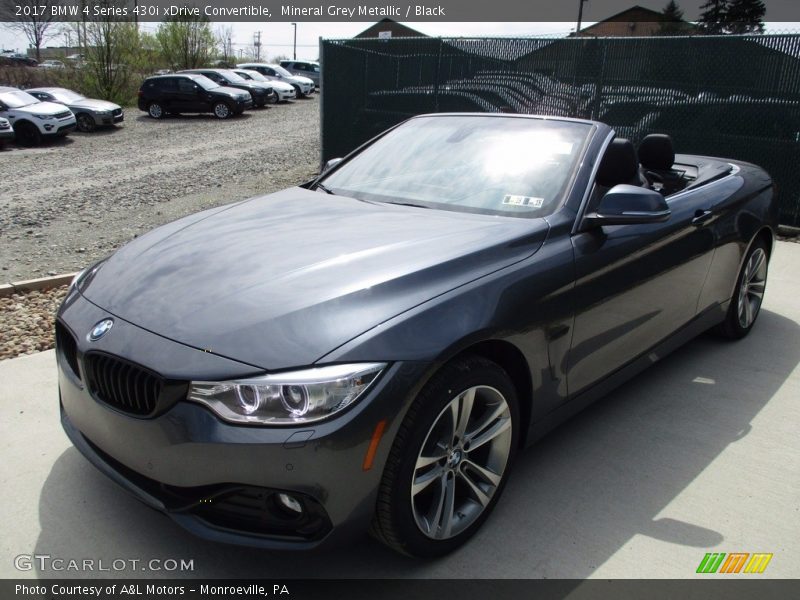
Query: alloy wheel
{"points": [[461, 462], [751, 289], [156, 111], [222, 111], [85, 123]]}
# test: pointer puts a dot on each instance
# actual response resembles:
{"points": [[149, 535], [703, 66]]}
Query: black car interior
{"points": [[654, 165]]}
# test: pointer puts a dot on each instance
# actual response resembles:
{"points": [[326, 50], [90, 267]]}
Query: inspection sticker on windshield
{"points": [[523, 201]]}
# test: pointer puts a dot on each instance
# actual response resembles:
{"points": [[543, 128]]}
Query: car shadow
{"points": [[47, 142], [101, 130], [575, 498], [189, 117]]}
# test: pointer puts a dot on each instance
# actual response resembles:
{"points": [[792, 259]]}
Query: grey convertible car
{"points": [[372, 348], [89, 113]]}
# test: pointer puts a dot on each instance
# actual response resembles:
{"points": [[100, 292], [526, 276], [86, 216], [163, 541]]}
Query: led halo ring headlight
{"points": [[287, 398]]}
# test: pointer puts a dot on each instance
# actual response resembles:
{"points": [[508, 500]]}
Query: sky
{"points": [[277, 38]]}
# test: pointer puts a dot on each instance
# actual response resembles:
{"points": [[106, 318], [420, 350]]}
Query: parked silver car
{"points": [[284, 91], [303, 68], [303, 85], [89, 113]]}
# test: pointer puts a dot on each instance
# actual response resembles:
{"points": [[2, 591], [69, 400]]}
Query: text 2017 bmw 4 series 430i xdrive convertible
{"points": [[371, 349]]}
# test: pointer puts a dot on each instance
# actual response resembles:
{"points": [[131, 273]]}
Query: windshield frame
{"points": [[558, 204]]}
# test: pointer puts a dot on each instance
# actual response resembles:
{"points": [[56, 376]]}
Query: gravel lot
{"points": [[73, 201]]}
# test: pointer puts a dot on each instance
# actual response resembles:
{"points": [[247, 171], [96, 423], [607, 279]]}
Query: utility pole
{"points": [[580, 17], [294, 45], [257, 45]]}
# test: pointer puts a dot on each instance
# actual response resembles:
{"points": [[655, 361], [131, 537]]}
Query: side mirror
{"points": [[629, 205], [330, 164]]}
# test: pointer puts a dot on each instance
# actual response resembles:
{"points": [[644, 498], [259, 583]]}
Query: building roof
{"points": [[394, 28], [616, 25]]}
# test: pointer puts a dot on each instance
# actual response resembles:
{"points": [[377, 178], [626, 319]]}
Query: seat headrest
{"points": [[656, 152], [619, 165]]}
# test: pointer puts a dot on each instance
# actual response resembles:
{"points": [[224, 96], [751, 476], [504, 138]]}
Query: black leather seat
{"points": [[619, 164], [657, 157]]}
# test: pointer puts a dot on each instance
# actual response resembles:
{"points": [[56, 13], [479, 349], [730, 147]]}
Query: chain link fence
{"points": [[730, 96]]}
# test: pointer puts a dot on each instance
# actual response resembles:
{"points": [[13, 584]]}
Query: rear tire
{"points": [[27, 134], [450, 460], [748, 294], [155, 110]]}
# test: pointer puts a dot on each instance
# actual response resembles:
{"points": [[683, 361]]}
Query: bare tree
{"points": [[224, 37], [114, 56], [34, 20]]}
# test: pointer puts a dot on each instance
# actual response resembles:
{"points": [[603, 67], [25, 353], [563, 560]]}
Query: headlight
{"points": [[102, 113], [287, 398], [45, 117], [80, 277]]}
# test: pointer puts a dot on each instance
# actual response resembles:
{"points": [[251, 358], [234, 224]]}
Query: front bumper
{"points": [[60, 130], [194, 467]]}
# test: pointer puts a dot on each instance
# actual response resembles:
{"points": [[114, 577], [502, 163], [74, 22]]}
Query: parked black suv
{"points": [[261, 92], [174, 94]]}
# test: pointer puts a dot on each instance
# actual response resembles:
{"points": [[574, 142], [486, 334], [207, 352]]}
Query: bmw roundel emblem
{"points": [[99, 330]]}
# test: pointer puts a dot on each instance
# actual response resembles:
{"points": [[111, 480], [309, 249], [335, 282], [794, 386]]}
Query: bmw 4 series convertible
{"points": [[371, 349]]}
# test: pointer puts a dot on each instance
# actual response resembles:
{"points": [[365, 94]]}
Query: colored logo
{"points": [[99, 330], [734, 562]]}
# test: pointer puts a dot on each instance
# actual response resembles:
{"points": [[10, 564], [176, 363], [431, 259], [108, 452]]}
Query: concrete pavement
{"points": [[699, 454]]}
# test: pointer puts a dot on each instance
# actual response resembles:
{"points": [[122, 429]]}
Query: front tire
{"points": [[450, 460], [749, 293], [27, 134], [222, 110], [86, 123]]}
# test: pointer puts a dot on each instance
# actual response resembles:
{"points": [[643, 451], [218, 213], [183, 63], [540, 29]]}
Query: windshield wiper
{"points": [[319, 186], [409, 204]]}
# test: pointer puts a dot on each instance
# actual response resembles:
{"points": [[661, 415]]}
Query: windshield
{"points": [[282, 71], [204, 82], [232, 77], [67, 96], [489, 165], [256, 75], [17, 99]]}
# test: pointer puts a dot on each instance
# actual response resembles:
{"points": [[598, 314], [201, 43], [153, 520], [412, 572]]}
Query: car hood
{"points": [[301, 79], [230, 91], [93, 104], [280, 85], [279, 281], [43, 108]]}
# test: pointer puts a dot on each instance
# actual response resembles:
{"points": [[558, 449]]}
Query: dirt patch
{"points": [[74, 201]]}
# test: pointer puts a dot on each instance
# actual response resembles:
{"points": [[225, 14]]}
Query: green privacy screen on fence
{"points": [[729, 96]]}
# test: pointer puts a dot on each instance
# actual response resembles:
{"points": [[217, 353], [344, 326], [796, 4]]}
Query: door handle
{"points": [[701, 216]]}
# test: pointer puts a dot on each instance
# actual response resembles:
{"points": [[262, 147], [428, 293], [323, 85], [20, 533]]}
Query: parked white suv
{"points": [[6, 133], [32, 119], [303, 85]]}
